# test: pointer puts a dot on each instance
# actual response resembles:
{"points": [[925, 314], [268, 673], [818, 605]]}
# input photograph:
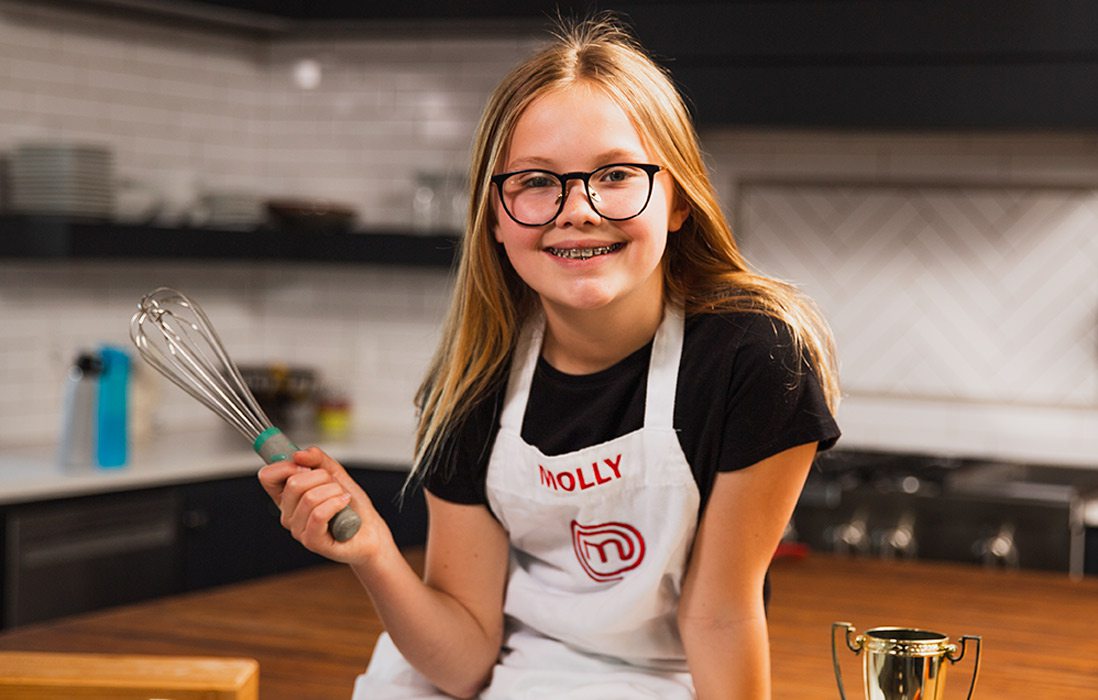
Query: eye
{"points": [[536, 180], [618, 174]]}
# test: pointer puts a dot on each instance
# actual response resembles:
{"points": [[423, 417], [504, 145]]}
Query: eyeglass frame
{"points": [[583, 177]]}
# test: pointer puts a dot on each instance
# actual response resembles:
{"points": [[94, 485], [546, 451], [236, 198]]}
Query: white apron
{"points": [[599, 543]]}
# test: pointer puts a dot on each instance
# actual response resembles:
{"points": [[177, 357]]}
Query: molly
{"points": [[581, 478]]}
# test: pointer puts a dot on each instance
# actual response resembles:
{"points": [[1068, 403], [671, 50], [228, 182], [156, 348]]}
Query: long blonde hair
{"points": [[702, 265]]}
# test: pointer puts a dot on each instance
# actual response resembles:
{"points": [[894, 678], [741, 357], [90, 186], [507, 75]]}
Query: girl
{"points": [[616, 425]]}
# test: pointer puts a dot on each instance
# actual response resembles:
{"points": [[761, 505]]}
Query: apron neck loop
{"points": [[523, 362], [663, 371]]}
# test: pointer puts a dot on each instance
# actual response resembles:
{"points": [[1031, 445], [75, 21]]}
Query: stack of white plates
{"points": [[63, 179], [231, 210]]}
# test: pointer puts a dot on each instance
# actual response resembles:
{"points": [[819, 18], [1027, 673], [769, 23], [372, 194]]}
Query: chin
{"points": [[593, 294], [588, 299], [586, 303]]}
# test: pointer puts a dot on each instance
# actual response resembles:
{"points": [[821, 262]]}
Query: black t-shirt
{"points": [[742, 396]]}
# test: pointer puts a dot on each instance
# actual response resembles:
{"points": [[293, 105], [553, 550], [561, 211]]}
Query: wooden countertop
{"points": [[312, 631]]}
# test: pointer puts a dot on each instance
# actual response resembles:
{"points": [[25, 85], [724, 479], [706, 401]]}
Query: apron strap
{"points": [[523, 363], [663, 370]]}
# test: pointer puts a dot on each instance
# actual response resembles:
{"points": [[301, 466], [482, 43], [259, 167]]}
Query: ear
{"points": [[680, 210], [496, 233]]}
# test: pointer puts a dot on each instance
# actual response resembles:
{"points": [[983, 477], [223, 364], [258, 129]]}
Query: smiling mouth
{"points": [[584, 253]]}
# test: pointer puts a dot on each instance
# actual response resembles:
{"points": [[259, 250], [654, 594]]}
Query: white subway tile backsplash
{"points": [[47, 75], [342, 321], [23, 427], [444, 132], [85, 42], [18, 38], [117, 82]]}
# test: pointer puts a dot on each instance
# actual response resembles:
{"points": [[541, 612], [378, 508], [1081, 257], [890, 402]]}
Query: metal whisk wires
{"points": [[173, 334]]}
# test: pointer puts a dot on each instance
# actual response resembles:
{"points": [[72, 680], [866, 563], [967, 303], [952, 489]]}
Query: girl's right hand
{"points": [[309, 490]]}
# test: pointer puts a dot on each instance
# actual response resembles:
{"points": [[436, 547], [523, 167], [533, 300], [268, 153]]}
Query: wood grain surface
{"points": [[44, 675], [312, 631]]}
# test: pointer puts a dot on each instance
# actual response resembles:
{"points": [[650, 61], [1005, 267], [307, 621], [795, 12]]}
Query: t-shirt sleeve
{"points": [[774, 399], [457, 474]]}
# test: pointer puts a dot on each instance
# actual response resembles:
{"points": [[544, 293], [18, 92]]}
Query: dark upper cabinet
{"points": [[979, 64], [405, 9], [902, 64]]}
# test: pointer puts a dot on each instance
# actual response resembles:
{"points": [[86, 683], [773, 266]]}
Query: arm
{"points": [[721, 615], [449, 626]]}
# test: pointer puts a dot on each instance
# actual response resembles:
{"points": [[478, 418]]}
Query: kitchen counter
{"points": [[1037, 627], [33, 473]]}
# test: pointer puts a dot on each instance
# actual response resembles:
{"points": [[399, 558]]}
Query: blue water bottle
{"points": [[111, 420]]}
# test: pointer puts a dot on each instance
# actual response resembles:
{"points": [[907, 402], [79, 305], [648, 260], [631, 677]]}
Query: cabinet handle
{"points": [[195, 519]]}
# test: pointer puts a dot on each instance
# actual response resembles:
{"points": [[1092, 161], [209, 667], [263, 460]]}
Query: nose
{"points": [[577, 209]]}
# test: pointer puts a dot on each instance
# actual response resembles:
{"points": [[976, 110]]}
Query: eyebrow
{"points": [[611, 156]]}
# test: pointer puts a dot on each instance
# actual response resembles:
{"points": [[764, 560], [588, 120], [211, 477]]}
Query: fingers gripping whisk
{"points": [[173, 334]]}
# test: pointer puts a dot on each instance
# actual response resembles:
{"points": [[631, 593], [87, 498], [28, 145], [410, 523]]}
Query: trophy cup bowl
{"points": [[901, 663]]}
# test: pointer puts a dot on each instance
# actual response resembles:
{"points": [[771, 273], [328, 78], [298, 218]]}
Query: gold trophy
{"points": [[903, 664]]}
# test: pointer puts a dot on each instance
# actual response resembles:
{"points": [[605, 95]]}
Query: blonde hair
{"points": [[702, 265]]}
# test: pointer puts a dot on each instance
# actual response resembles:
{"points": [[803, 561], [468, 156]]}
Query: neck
{"points": [[590, 340]]}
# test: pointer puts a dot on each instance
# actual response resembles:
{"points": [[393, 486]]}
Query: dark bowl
{"points": [[309, 216]]}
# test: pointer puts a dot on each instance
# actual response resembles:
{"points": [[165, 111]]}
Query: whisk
{"points": [[174, 335]]}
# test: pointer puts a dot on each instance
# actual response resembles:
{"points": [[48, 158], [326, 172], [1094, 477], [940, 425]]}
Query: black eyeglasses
{"points": [[617, 192]]}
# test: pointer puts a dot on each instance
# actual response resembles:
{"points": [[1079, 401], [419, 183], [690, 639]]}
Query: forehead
{"points": [[573, 127]]}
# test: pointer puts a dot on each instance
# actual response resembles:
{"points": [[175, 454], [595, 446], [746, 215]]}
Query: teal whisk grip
{"points": [[273, 446]]}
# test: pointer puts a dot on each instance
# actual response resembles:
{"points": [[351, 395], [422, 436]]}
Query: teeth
{"points": [[584, 253]]}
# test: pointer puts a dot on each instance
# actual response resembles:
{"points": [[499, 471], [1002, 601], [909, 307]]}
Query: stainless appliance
{"points": [[908, 505], [68, 556]]}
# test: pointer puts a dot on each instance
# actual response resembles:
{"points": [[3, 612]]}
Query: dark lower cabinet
{"points": [[407, 517], [78, 554], [231, 533], [231, 528], [69, 556], [1090, 557]]}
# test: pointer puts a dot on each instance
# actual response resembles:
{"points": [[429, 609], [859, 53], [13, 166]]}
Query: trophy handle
{"points": [[975, 662], [848, 628]]}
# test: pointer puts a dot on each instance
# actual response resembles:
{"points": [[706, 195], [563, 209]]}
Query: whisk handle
{"points": [[273, 446]]}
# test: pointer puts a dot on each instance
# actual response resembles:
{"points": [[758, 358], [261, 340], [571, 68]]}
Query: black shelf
{"points": [[49, 238]]}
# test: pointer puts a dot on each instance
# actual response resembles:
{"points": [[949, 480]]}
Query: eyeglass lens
{"points": [[534, 197]]}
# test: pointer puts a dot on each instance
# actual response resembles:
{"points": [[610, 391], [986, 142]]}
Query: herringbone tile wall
{"points": [[946, 293]]}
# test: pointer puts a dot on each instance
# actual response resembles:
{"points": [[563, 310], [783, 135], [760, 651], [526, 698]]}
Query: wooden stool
{"points": [[62, 676]]}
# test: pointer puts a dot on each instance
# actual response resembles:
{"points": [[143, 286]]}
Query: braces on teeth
{"points": [[584, 253]]}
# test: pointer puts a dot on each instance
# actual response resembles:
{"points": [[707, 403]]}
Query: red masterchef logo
{"points": [[608, 550]]}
